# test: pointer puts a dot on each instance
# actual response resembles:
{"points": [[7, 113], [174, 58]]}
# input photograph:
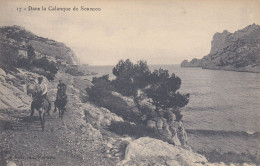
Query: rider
{"points": [[41, 89], [61, 85], [61, 92]]}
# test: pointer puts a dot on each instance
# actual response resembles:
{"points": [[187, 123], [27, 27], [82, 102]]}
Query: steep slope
{"points": [[20, 38], [25, 56], [238, 51]]}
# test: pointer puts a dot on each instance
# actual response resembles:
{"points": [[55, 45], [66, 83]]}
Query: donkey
{"points": [[41, 105], [60, 102]]}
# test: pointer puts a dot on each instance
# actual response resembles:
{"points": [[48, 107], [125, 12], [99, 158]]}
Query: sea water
{"points": [[223, 110]]}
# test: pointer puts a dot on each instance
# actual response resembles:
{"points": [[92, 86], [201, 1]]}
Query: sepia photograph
{"points": [[129, 83]]}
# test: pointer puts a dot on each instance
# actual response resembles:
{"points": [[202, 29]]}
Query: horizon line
{"points": [[115, 64]]}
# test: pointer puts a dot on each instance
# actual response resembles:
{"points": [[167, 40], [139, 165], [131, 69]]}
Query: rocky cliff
{"points": [[13, 91], [238, 51], [16, 37], [25, 56]]}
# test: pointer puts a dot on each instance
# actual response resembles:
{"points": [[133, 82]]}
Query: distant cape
{"points": [[238, 51]]}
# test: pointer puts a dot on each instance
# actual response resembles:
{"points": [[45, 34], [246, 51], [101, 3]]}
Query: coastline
{"points": [[223, 69]]}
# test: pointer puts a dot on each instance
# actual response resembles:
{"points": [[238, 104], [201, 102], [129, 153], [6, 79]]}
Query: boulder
{"points": [[99, 116], [11, 163], [150, 151]]}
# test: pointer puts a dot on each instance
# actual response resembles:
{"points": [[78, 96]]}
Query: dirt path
{"points": [[64, 142]]}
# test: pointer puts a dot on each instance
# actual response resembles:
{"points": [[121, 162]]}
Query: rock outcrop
{"points": [[25, 56], [165, 126], [238, 51], [149, 151], [19, 38], [193, 63], [14, 86], [99, 116], [169, 131]]}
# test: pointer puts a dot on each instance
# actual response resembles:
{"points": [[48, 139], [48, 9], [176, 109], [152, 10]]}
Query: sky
{"points": [[158, 31]]}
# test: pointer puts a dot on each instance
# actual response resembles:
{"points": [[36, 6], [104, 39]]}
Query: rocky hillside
{"points": [[20, 48], [18, 37], [25, 56], [238, 51]]}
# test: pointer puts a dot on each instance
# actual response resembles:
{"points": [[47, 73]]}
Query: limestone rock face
{"points": [[218, 41], [13, 91], [164, 126], [15, 37], [238, 51], [99, 116], [170, 131], [55, 49], [149, 151]]}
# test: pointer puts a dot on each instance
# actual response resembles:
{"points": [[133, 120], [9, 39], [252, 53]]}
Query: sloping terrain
{"points": [[18, 37], [70, 141]]}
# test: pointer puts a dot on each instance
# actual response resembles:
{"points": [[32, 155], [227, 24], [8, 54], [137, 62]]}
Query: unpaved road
{"points": [[62, 143]]}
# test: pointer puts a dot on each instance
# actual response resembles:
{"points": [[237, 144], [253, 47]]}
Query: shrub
{"points": [[133, 78], [50, 68], [100, 89], [157, 85], [101, 94]]}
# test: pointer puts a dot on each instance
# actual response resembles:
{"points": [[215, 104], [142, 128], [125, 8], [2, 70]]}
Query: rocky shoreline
{"points": [[238, 51]]}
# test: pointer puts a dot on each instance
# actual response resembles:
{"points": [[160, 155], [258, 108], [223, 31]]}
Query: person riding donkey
{"points": [[61, 98], [61, 86], [40, 93]]}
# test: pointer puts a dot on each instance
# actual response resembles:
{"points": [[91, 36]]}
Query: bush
{"points": [[50, 68], [101, 94], [130, 77], [133, 78], [100, 89], [23, 63], [157, 85]]}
